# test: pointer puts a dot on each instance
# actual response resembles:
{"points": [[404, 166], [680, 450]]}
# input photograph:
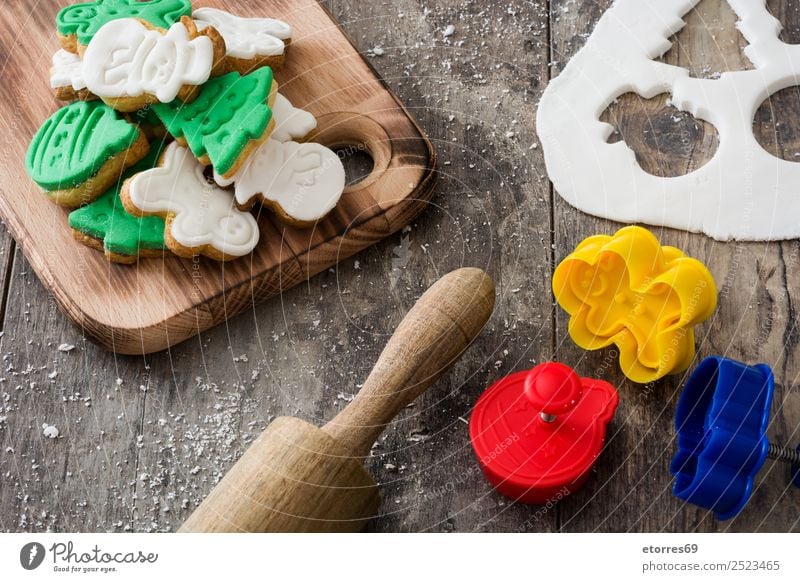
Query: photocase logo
{"points": [[31, 555]]}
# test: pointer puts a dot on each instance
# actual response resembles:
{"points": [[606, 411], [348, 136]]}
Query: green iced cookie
{"points": [[230, 111], [106, 219], [86, 18], [74, 143]]}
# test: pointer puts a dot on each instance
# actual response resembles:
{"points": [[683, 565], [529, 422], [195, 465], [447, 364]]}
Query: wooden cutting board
{"points": [[160, 302]]}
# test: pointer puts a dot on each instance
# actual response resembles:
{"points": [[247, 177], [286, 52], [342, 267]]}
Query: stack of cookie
{"points": [[176, 129]]}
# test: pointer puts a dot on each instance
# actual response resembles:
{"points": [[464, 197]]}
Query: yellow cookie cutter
{"points": [[628, 290]]}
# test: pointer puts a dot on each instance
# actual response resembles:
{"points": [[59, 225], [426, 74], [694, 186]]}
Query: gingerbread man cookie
{"points": [[301, 183], [77, 24], [229, 118], [129, 63], [81, 150], [201, 218], [250, 42]]}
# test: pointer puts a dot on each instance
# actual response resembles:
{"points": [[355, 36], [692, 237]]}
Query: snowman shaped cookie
{"points": [[129, 63]]}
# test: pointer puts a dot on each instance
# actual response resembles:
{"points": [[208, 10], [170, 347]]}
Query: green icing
{"points": [[85, 19], [75, 142], [230, 111], [106, 218]]}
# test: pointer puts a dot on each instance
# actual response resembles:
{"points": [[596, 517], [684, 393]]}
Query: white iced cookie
{"points": [[130, 64], [249, 42], [201, 217], [742, 193], [300, 182], [291, 123], [66, 76]]}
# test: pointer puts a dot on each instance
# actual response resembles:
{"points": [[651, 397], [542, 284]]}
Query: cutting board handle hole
{"points": [[361, 143], [357, 162]]}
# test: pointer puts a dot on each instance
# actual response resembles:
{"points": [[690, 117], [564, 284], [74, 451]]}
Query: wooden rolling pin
{"points": [[299, 478]]}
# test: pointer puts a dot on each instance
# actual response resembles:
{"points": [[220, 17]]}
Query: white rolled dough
{"points": [[742, 193]]}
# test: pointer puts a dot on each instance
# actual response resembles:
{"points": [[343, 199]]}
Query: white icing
{"points": [[245, 38], [126, 59], [204, 214], [743, 192], [291, 122], [67, 71], [305, 180]]}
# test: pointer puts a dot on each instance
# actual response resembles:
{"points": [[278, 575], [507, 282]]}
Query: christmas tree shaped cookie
{"points": [[77, 24], [229, 118], [106, 226], [81, 150]]}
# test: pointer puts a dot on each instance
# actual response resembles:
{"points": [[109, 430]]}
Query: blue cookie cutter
{"points": [[721, 420]]}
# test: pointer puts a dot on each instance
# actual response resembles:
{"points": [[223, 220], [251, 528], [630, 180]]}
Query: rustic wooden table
{"points": [[142, 440]]}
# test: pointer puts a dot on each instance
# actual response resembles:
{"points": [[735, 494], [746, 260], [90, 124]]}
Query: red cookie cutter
{"points": [[538, 433]]}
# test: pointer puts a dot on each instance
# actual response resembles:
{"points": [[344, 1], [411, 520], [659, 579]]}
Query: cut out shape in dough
{"points": [[742, 193], [666, 141]]}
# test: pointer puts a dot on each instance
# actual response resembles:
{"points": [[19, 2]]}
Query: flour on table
{"points": [[49, 431]]}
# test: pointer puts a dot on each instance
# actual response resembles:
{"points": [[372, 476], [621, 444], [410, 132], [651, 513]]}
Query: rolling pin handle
{"points": [[440, 326]]}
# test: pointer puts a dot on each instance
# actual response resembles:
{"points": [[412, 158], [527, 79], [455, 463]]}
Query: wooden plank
{"points": [[631, 490], [491, 211], [307, 351], [159, 303], [311, 349], [84, 479]]}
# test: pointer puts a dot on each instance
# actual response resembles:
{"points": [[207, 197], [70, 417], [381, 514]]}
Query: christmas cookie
{"points": [[250, 42], [129, 63], [301, 183], [201, 218], [77, 24], [106, 226], [81, 150], [291, 123], [147, 120], [66, 77], [229, 118]]}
